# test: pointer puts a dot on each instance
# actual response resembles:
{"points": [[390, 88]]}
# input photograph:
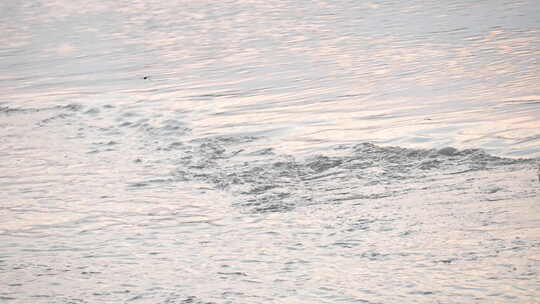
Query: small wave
{"points": [[261, 179], [17, 110], [270, 182]]}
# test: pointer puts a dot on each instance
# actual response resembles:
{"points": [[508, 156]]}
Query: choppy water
{"points": [[269, 152]]}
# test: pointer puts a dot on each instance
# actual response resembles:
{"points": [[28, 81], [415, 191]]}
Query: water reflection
{"points": [[260, 151], [301, 54]]}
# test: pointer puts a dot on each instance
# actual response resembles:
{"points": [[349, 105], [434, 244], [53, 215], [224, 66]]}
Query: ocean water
{"points": [[248, 151]]}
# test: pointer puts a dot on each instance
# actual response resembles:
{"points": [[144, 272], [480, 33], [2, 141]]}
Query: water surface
{"points": [[277, 152]]}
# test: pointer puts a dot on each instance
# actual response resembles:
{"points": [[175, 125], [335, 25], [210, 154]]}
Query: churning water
{"points": [[251, 151]]}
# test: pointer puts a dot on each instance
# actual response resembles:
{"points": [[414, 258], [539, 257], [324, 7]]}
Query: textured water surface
{"points": [[269, 152]]}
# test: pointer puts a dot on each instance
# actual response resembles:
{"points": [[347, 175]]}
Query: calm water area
{"points": [[247, 151]]}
